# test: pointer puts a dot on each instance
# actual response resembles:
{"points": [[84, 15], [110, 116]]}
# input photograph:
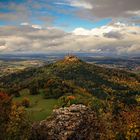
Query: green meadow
{"points": [[40, 108]]}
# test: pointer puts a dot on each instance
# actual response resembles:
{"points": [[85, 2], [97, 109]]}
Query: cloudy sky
{"points": [[109, 27]]}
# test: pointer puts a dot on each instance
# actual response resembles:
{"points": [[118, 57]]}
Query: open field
{"points": [[13, 66], [40, 108]]}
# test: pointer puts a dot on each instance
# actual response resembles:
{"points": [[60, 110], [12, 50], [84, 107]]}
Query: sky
{"points": [[103, 27]]}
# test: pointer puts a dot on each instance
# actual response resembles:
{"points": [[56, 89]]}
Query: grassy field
{"points": [[40, 108], [13, 66]]}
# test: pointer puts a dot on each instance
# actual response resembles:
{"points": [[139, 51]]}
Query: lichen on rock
{"points": [[76, 122]]}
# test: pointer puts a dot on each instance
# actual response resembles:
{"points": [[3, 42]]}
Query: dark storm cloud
{"points": [[87, 9], [97, 9]]}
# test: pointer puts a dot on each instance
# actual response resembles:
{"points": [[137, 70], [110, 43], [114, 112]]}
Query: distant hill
{"points": [[73, 73]]}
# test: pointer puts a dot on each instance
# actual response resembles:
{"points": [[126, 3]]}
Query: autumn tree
{"points": [[25, 102], [5, 109], [18, 127], [14, 124], [33, 90]]}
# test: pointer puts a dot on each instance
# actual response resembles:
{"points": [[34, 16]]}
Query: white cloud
{"points": [[96, 31], [76, 3], [36, 26], [80, 4], [25, 23], [134, 12], [110, 28], [117, 38], [31, 25], [2, 48]]}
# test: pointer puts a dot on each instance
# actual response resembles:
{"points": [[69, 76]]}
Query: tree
{"points": [[18, 127], [5, 109], [25, 102], [33, 90], [13, 91], [14, 124]]}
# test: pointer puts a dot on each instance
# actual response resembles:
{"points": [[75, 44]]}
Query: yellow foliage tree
{"points": [[18, 127]]}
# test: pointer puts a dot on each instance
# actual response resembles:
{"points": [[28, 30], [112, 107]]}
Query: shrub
{"points": [[70, 97], [25, 102], [33, 90], [67, 100], [18, 127], [5, 108]]}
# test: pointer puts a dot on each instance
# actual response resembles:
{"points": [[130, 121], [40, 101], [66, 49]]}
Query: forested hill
{"points": [[73, 73]]}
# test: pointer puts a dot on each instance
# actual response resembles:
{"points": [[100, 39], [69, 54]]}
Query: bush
{"points": [[25, 102], [67, 101], [5, 108], [96, 105], [18, 127], [14, 124], [33, 90]]}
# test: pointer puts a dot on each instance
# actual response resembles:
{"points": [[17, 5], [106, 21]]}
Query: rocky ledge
{"points": [[76, 122], [71, 59]]}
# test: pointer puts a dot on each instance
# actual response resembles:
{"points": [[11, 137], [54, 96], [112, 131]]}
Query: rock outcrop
{"points": [[71, 59], [76, 122]]}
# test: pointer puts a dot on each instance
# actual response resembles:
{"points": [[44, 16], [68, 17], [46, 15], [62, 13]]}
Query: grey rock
{"points": [[70, 123]]}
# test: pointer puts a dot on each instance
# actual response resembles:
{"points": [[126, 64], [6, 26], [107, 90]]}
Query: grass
{"points": [[40, 108]]}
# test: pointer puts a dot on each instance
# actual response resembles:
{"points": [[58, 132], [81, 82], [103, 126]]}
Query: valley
{"points": [[42, 89], [13, 66], [15, 63], [69, 69]]}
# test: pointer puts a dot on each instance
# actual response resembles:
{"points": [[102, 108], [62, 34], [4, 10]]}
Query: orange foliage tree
{"points": [[14, 124], [5, 109]]}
